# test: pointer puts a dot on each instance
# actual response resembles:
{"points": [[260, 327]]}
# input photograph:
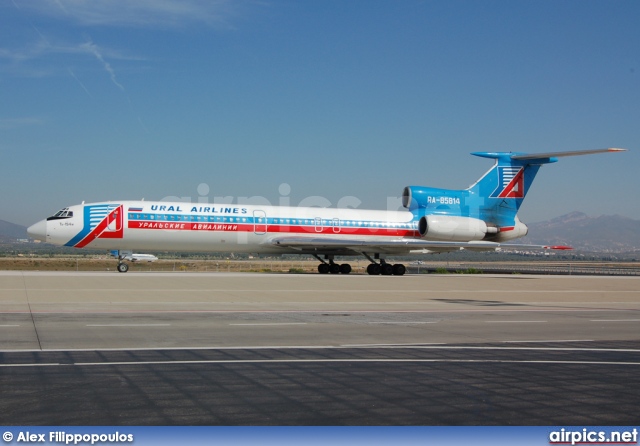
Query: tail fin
{"points": [[501, 191]]}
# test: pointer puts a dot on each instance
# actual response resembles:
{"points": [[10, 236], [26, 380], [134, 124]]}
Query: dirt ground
{"points": [[109, 264], [305, 265]]}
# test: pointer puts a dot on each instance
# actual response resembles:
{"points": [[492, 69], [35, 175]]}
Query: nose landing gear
{"points": [[121, 256]]}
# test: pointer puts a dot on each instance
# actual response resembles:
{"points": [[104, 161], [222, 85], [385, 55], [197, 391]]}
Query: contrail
{"points": [[93, 48], [81, 84]]}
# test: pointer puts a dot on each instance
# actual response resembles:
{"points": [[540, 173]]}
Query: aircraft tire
{"points": [[323, 268], [386, 269], [334, 268], [399, 269], [373, 269], [345, 268], [123, 267]]}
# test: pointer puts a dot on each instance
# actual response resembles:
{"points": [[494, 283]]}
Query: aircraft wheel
{"points": [[323, 268], [373, 269], [345, 268], [399, 269], [123, 267], [386, 269], [334, 268]]}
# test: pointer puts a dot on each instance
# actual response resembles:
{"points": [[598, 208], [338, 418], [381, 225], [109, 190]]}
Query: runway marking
{"points": [[487, 309], [323, 360], [128, 325], [9, 325], [417, 344], [614, 320], [31, 365], [273, 324], [552, 341], [402, 323], [515, 322], [324, 291]]}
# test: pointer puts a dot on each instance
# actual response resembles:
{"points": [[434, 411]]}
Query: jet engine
{"points": [[452, 228]]}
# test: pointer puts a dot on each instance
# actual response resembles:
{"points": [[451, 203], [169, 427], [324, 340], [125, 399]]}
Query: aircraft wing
{"points": [[346, 246]]}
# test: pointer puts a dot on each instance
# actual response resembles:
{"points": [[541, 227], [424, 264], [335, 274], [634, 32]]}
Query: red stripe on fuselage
{"points": [[288, 229], [188, 226]]}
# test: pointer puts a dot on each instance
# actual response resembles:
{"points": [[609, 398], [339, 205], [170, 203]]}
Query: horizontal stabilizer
{"points": [[561, 154], [503, 188]]}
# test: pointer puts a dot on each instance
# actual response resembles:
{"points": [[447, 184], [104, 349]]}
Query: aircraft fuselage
{"points": [[160, 226]]}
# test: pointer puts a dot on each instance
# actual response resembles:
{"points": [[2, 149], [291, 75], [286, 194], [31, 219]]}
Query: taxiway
{"points": [[216, 348]]}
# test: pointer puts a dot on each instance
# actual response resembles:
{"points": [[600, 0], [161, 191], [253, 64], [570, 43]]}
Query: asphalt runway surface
{"points": [[284, 349]]}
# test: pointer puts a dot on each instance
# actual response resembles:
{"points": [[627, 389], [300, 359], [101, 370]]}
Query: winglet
{"points": [[559, 247]]}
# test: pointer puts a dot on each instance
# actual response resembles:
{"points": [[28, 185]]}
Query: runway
{"points": [[284, 349]]}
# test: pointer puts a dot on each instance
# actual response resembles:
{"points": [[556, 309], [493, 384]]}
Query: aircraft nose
{"points": [[38, 231]]}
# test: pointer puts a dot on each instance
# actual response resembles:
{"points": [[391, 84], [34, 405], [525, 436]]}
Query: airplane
{"points": [[480, 218], [133, 257]]}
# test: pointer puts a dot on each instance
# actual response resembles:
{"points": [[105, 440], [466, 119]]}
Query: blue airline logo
{"points": [[97, 219]]}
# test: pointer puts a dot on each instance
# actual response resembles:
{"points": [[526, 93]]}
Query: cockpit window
{"points": [[64, 213]]}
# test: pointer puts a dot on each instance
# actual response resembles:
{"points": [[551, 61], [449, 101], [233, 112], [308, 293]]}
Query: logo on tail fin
{"points": [[510, 184]]}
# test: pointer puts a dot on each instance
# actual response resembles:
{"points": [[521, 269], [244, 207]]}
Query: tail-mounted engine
{"points": [[451, 228], [445, 216]]}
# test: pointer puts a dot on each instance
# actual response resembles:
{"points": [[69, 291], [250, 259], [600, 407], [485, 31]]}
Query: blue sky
{"points": [[112, 100]]}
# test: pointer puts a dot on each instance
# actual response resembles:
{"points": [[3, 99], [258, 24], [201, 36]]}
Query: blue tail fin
{"points": [[501, 191], [496, 197]]}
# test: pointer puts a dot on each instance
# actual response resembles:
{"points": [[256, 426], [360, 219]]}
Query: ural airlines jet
{"points": [[480, 218]]}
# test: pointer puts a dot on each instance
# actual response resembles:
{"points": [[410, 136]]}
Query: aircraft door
{"points": [[336, 225], [115, 220], [259, 222], [115, 223], [318, 224]]}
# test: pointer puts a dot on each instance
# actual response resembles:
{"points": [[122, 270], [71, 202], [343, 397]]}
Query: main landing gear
{"points": [[332, 267], [374, 269], [384, 268]]}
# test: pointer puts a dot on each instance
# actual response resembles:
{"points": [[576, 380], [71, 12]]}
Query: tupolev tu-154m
{"points": [[482, 217]]}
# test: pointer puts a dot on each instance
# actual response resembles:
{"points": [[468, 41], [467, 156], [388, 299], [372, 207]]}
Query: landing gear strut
{"points": [[332, 267], [121, 255], [383, 267]]}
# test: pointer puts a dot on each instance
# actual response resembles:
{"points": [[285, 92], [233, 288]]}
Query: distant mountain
{"points": [[12, 231], [606, 233]]}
